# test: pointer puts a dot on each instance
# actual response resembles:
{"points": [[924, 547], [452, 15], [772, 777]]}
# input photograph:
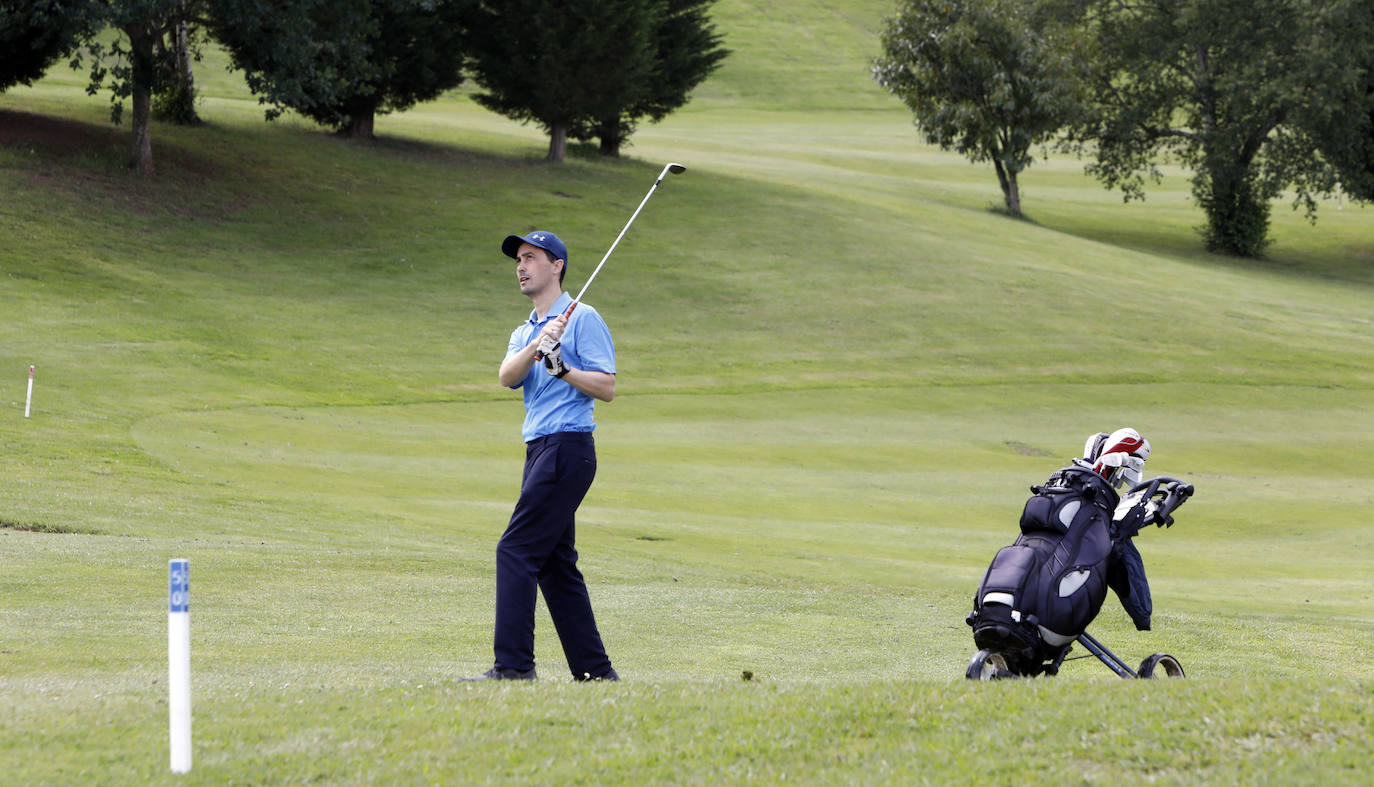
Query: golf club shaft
{"points": [[670, 167], [616, 242]]}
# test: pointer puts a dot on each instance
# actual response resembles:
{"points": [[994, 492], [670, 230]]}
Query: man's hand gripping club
{"points": [[551, 347], [563, 320], [598, 385], [552, 352]]}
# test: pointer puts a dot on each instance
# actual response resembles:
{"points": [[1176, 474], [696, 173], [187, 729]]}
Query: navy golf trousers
{"points": [[537, 551]]}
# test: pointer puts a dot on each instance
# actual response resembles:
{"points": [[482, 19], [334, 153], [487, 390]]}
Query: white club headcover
{"points": [[1122, 458], [1093, 446]]}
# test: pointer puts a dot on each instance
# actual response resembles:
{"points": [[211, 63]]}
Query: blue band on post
{"points": [[179, 585]]}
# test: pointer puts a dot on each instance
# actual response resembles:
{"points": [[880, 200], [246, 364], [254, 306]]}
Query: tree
{"points": [[34, 34], [1340, 116], [1217, 85], [130, 67], [686, 50], [562, 64], [987, 78], [280, 48], [342, 62]]}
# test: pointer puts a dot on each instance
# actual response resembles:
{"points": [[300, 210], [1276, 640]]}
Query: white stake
{"points": [[179, 662], [29, 399]]}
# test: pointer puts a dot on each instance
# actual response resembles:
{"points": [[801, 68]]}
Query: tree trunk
{"points": [[141, 150], [181, 49], [143, 64], [361, 123], [1011, 193], [1237, 217], [609, 134], [558, 143]]}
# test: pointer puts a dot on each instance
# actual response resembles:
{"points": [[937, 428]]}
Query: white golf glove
{"points": [[552, 350]]}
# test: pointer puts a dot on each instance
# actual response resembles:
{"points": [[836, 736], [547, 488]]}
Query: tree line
{"points": [[1257, 98], [580, 69]]}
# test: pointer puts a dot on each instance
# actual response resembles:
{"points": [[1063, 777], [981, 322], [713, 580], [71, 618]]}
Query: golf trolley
{"points": [[1040, 593]]}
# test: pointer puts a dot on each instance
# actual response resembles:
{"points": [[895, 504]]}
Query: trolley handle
{"points": [[1171, 494]]}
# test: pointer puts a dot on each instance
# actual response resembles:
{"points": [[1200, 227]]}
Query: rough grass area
{"points": [[840, 369]]}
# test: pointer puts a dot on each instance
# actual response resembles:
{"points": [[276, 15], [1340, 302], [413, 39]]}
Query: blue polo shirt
{"points": [[553, 405]]}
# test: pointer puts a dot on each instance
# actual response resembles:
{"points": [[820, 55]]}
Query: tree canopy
{"points": [[1255, 97], [1219, 85], [685, 50], [34, 34], [342, 62], [1340, 118], [988, 78], [562, 63], [587, 68]]}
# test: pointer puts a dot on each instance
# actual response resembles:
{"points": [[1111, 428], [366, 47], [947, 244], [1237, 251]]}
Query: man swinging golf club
{"points": [[565, 361], [571, 343]]}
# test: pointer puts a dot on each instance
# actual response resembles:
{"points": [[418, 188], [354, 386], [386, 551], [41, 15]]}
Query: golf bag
{"points": [[1041, 592]]}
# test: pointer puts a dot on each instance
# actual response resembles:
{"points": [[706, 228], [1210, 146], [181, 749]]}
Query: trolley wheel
{"points": [[987, 665], [1162, 663]]}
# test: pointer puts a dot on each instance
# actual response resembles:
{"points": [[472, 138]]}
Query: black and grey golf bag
{"points": [[1042, 591]]}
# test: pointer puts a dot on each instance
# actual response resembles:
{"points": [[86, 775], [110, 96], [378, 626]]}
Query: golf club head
{"points": [[676, 169]]}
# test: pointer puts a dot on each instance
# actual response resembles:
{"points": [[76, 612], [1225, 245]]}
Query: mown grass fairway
{"points": [[839, 371]]}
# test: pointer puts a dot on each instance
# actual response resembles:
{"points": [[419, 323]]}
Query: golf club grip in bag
{"points": [[1044, 589]]}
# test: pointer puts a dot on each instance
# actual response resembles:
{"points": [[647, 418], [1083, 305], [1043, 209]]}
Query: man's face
{"points": [[534, 270]]}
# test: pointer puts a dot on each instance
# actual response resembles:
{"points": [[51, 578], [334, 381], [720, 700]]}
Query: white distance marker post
{"points": [[28, 400], [179, 661]]}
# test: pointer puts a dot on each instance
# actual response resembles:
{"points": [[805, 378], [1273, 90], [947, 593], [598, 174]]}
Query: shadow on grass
{"points": [[34, 527], [1000, 209], [57, 141], [87, 163], [418, 150], [209, 171], [1353, 263]]}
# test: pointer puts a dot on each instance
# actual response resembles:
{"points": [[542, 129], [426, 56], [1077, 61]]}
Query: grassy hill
{"points": [[840, 368]]}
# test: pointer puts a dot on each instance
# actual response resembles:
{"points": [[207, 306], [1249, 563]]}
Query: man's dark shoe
{"points": [[604, 676], [503, 674]]}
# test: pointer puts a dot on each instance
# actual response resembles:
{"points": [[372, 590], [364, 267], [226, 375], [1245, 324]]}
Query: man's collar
{"points": [[559, 306]]}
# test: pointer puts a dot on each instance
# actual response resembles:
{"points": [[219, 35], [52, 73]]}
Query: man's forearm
{"points": [[598, 385], [514, 368]]}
